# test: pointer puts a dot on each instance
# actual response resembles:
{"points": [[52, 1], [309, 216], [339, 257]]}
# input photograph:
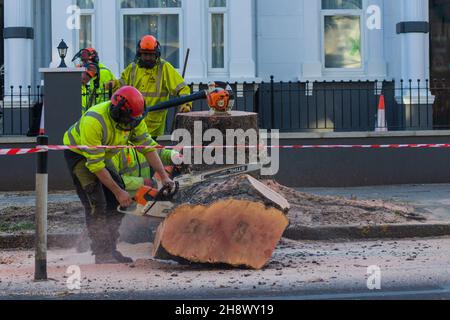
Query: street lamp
{"points": [[62, 51]]}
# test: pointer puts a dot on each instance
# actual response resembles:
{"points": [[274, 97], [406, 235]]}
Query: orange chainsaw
{"points": [[220, 100], [156, 201]]}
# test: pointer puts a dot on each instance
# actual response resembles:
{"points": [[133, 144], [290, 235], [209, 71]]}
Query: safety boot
{"points": [[120, 257], [105, 258]]}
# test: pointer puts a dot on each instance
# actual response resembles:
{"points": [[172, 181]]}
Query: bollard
{"points": [[40, 267]]}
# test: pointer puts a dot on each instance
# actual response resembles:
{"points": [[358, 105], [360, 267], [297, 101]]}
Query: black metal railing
{"points": [[20, 110], [341, 106], [290, 106]]}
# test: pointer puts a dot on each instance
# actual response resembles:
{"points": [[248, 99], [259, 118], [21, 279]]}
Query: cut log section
{"points": [[236, 125], [238, 221]]}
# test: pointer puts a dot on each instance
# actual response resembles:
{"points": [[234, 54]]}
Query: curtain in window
{"points": [[164, 27], [217, 3], [85, 4], [341, 4], [150, 3], [342, 42], [85, 40], [217, 43]]}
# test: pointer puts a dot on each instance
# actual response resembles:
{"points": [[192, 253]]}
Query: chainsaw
{"points": [[220, 100], [156, 201]]}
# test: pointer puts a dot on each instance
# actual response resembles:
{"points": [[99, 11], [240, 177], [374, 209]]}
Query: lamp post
{"points": [[62, 51]]}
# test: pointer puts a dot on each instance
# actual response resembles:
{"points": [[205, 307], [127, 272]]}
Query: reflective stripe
{"points": [[145, 136], [124, 158], [100, 119], [113, 152], [94, 151], [155, 94], [134, 169], [178, 88], [77, 127], [125, 171], [133, 74], [147, 143], [71, 138], [94, 161], [122, 83], [159, 78]]}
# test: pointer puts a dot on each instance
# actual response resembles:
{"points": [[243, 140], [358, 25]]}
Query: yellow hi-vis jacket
{"points": [[133, 166], [156, 85], [97, 128], [102, 94]]}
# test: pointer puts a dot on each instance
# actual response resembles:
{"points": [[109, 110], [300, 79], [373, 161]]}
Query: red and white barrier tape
{"points": [[11, 152]]}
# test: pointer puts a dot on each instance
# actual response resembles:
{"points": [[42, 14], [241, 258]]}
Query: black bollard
{"points": [[40, 268]]}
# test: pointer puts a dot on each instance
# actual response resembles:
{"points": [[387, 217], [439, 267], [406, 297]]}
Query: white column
{"points": [[414, 44], [61, 30], [241, 30], [18, 51], [376, 64], [312, 63], [414, 63], [107, 33], [195, 35]]}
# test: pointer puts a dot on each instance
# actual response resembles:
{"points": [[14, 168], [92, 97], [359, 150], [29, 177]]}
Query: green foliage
{"points": [[15, 227]]}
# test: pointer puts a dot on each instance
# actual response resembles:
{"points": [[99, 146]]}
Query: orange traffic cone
{"points": [[381, 125]]}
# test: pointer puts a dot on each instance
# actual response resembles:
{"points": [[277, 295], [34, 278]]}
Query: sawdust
{"points": [[306, 210], [312, 210]]}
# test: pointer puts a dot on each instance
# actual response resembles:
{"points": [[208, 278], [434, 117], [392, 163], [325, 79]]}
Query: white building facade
{"points": [[234, 40]]}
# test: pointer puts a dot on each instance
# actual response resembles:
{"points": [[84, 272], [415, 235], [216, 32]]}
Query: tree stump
{"points": [[236, 221], [237, 121]]}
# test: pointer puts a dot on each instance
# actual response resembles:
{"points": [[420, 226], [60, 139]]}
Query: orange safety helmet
{"points": [[149, 44], [127, 107]]}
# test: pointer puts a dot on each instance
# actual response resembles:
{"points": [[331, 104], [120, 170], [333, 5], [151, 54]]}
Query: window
{"points": [[342, 28], [160, 18], [217, 40], [86, 33]]}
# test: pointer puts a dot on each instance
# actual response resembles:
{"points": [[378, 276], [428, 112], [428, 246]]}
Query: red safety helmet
{"points": [[127, 107]]}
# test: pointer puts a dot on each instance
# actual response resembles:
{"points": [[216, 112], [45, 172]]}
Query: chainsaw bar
{"points": [[189, 180], [161, 208]]}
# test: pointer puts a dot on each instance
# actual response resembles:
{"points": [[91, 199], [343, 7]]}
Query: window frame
{"points": [[91, 13], [145, 12], [344, 12], [224, 11]]}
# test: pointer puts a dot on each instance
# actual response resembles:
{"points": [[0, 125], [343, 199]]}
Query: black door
{"points": [[440, 61], [2, 60]]}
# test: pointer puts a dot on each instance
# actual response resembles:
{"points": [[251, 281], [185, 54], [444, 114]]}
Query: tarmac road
{"points": [[408, 269]]}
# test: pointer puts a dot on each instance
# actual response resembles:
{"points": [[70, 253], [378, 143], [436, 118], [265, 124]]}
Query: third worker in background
{"points": [[157, 80], [95, 80]]}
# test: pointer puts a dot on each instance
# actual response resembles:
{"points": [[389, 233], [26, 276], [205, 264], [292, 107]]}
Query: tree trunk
{"points": [[236, 221], [242, 128]]}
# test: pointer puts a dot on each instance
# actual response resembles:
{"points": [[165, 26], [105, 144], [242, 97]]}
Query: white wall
{"points": [[280, 37], [289, 41]]}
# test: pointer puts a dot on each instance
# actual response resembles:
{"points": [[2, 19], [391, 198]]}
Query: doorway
{"points": [[440, 61]]}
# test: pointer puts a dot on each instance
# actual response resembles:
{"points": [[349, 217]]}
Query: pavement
{"points": [[431, 200]]}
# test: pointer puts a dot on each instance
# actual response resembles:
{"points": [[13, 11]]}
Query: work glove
{"points": [[185, 108]]}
